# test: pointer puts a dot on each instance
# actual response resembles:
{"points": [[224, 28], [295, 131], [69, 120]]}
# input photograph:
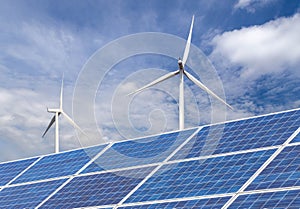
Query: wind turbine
{"points": [[57, 113], [181, 71]]}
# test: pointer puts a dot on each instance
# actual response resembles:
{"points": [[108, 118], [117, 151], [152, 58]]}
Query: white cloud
{"points": [[250, 5], [23, 119], [242, 3], [269, 48]]}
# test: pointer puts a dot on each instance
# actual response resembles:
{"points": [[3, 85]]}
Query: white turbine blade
{"points": [[202, 86], [61, 93], [72, 122], [188, 44], [162, 78]]}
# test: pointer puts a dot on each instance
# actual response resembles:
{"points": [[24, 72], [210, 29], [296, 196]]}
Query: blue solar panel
{"points": [[139, 152], [296, 139], [242, 135], [27, 196], [62, 164], [202, 203], [201, 177], [97, 189], [10, 170], [282, 199], [283, 171]]}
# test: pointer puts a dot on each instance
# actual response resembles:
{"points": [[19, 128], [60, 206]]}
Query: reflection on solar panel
{"points": [[240, 164], [139, 152]]}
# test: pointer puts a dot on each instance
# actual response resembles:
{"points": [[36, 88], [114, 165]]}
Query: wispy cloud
{"points": [[251, 5]]}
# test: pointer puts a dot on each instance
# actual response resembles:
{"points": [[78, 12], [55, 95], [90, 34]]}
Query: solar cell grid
{"points": [[10, 170], [139, 152], [283, 171], [201, 177], [281, 199], [57, 165], [27, 196], [188, 204], [97, 189], [241, 135]]}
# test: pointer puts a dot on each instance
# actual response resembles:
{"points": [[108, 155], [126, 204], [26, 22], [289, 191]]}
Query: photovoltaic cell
{"points": [[283, 171], [57, 165], [97, 189], [139, 152], [27, 196], [10, 170], [201, 177], [296, 139], [282, 199], [201, 203], [252, 133]]}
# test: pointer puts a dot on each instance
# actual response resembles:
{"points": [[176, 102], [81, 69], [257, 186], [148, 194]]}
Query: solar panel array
{"points": [[253, 162]]}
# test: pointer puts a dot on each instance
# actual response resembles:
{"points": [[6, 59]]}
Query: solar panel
{"points": [[242, 135], [57, 165], [27, 196], [188, 204], [283, 171], [10, 170], [279, 199], [98, 189], [218, 175], [139, 152], [239, 164]]}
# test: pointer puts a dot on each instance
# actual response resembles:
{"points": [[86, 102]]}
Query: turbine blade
{"points": [[160, 79], [61, 93], [50, 124], [202, 86], [188, 44], [72, 122]]}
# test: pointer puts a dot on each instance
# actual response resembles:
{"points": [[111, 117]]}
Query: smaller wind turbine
{"points": [[58, 112], [181, 71]]}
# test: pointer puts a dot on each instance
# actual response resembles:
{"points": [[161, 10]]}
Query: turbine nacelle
{"points": [[180, 63], [53, 110]]}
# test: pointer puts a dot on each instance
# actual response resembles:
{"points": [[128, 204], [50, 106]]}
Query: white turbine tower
{"points": [[55, 119], [181, 71]]}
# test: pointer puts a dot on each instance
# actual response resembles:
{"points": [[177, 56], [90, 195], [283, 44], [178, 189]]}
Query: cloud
{"points": [[251, 5], [23, 118], [262, 49], [260, 65]]}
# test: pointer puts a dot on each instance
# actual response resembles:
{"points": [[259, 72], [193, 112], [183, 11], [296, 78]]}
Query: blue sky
{"points": [[253, 45]]}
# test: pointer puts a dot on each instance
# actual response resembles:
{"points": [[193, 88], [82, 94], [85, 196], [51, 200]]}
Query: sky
{"points": [[252, 49]]}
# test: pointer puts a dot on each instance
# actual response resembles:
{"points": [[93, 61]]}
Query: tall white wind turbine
{"points": [[57, 113], [181, 71]]}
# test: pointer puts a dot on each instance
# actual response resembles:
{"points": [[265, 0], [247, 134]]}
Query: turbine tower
{"points": [[57, 113], [182, 72]]}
